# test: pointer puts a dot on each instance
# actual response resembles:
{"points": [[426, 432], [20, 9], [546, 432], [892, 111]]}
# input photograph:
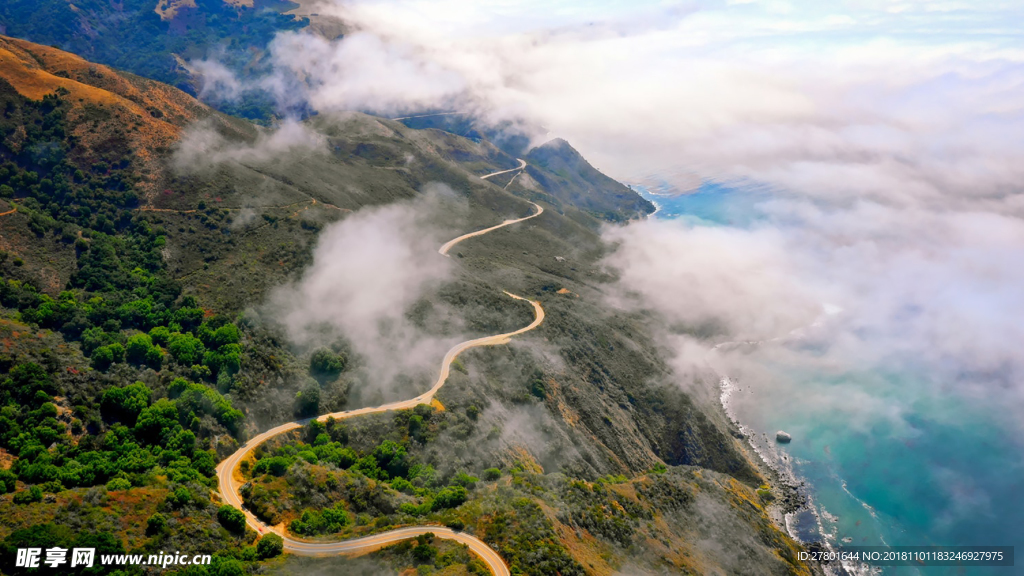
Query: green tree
{"points": [[391, 457], [226, 334], [424, 553], [276, 465], [102, 357], [32, 494], [228, 357], [185, 348], [324, 364], [118, 484], [160, 335], [450, 497], [307, 401], [156, 524], [231, 518], [269, 546], [137, 348], [125, 403]]}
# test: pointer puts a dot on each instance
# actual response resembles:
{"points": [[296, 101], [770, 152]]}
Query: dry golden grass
{"points": [[168, 9], [143, 116]]}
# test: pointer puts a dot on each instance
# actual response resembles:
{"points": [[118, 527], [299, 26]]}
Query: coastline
{"points": [[792, 509], [793, 506]]}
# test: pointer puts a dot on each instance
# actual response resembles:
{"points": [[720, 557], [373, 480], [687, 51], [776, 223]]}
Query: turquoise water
{"points": [[896, 457]]}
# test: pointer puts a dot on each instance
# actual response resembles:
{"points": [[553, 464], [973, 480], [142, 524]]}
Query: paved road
{"points": [[229, 483], [522, 164], [448, 245], [429, 115]]}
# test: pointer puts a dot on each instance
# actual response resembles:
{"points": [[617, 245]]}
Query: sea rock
{"points": [[783, 437]]}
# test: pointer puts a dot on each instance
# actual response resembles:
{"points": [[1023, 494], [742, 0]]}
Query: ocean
{"points": [[895, 457]]}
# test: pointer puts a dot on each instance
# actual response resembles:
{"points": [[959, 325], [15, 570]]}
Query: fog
{"points": [[367, 272], [202, 148]]}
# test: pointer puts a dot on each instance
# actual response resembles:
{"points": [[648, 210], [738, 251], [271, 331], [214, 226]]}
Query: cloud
{"points": [[368, 270], [218, 82], [201, 147], [935, 293], [909, 104], [361, 72], [737, 282]]}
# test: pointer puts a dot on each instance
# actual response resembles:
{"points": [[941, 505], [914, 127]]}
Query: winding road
{"points": [[448, 245], [230, 481], [522, 165]]}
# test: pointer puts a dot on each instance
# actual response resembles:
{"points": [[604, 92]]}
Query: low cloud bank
{"points": [[201, 147], [864, 288]]}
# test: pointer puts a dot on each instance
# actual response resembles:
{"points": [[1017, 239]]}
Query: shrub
{"points": [[231, 518], [449, 497], [492, 474], [325, 364], [118, 484], [156, 524], [138, 347], [269, 546], [160, 335], [185, 348], [33, 494]]}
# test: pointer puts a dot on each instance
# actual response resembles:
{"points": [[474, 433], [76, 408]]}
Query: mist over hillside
{"points": [[176, 281]]}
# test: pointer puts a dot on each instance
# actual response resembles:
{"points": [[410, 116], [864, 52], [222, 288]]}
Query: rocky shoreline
{"points": [[790, 496]]}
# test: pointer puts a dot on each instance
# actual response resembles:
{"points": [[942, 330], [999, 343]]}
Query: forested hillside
{"points": [[152, 38]]}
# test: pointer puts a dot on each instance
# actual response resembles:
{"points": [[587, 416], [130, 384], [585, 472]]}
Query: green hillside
{"points": [[137, 350]]}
